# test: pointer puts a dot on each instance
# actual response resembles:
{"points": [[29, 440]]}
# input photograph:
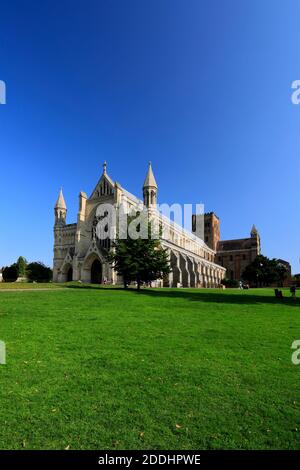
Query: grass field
{"points": [[29, 285], [91, 368]]}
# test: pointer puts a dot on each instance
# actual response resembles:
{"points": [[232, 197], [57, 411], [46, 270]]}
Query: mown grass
{"points": [[91, 368], [28, 285]]}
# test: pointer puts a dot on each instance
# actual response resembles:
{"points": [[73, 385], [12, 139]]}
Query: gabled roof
{"points": [[104, 177]]}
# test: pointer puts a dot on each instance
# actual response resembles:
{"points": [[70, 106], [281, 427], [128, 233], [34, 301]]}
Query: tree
{"points": [[21, 266], [230, 283], [282, 273], [38, 272], [139, 259], [10, 273], [297, 279], [264, 271]]}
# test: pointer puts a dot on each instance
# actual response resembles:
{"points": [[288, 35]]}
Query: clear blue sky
{"points": [[201, 88]]}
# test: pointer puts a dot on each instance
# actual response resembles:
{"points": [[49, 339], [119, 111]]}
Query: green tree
{"points": [[230, 283], [38, 272], [10, 273], [282, 273], [21, 266], [264, 271], [139, 259]]}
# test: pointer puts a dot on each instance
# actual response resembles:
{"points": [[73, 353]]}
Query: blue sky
{"points": [[200, 88]]}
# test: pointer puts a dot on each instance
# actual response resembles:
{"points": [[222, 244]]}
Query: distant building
{"points": [[234, 255], [212, 230], [208, 228], [288, 281], [286, 265]]}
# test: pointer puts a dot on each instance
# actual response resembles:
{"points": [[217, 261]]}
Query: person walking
{"points": [[293, 292]]}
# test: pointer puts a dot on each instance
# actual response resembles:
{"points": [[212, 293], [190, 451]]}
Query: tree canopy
{"points": [[264, 271], [21, 266], [139, 260], [38, 272], [10, 273]]}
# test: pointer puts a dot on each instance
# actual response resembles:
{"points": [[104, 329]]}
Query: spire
{"points": [[150, 189], [104, 167], [150, 180], [254, 231], [60, 210], [60, 203]]}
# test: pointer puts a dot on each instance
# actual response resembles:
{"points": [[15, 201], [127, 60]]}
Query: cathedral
{"points": [[80, 256], [235, 255]]}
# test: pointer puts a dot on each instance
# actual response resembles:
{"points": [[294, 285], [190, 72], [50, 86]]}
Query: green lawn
{"points": [[29, 285], [91, 368]]}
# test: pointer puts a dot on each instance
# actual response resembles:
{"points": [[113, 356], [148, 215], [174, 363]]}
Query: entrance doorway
{"points": [[96, 272], [70, 275]]}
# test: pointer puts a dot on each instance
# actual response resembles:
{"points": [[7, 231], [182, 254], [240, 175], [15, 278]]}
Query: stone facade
{"points": [[234, 255], [79, 254], [211, 230]]}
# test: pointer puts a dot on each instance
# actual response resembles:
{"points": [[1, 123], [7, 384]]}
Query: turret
{"points": [[60, 210], [255, 240], [82, 206], [150, 189], [254, 232]]}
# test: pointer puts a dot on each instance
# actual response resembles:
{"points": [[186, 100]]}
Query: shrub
{"points": [[230, 283], [39, 272], [10, 273]]}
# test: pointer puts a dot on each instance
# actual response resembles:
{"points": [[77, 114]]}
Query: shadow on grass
{"points": [[201, 295], [95, 287], [220, 297]]}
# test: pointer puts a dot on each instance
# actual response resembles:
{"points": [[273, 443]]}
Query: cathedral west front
{"points": [[79, 255]]}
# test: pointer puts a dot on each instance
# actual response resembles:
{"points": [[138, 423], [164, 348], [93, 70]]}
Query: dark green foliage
{"points": [[39, 272], [282, 273], [230, 283], [21, 266], [140, 260], [10, 273], [264, 272]]}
